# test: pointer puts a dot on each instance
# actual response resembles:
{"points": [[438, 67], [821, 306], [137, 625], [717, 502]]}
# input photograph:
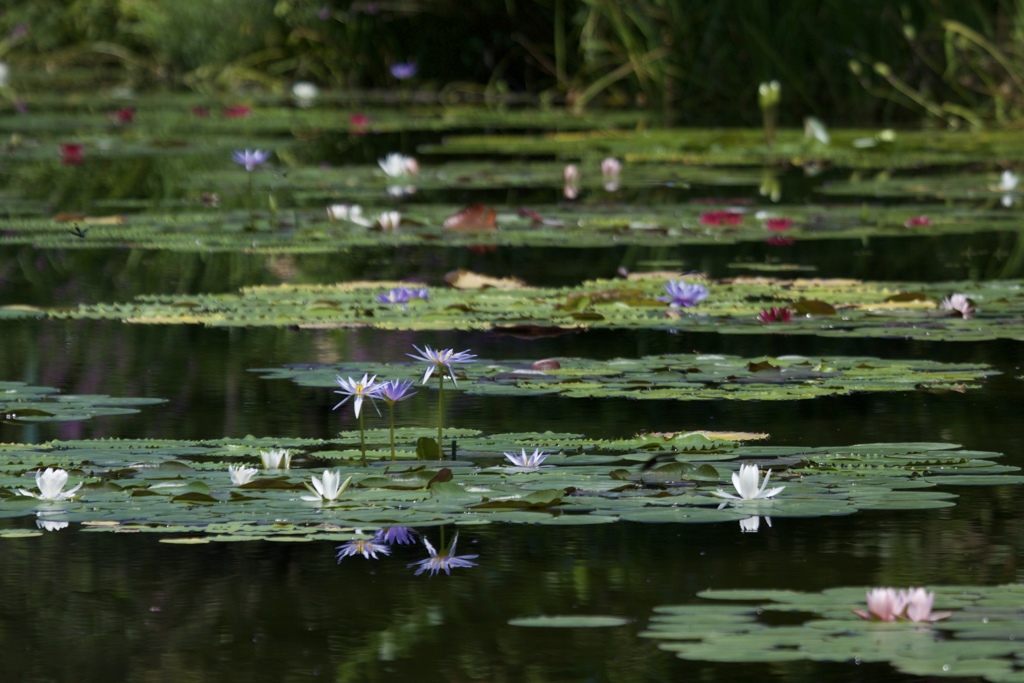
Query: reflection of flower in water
{"points": [[444, 561], [1007, 184], [51, 525], [404, 70], [750, 525], [50, 483], [748, 485], [571, 181], [958, 303], [368, 548], [396, 535]]}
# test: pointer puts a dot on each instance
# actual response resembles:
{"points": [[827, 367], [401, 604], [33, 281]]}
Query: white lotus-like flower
{"points": [[51, 525], [353, 213], [532, 461], [328, 487], [958, 303], [50, 483], [389, 220], [398, 165], [305, 93], [748, 485], [240, 474], [279, 459]]}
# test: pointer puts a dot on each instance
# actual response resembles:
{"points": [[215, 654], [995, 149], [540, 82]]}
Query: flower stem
{"points": [[440, 414], [362, 439], [391, 414], [252, 213]]}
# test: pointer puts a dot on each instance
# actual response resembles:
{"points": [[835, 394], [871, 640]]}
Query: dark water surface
{"points": [[81, 606]]}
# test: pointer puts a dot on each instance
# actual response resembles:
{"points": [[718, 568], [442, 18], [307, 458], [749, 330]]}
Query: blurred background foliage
{"points": [[698, 61]]}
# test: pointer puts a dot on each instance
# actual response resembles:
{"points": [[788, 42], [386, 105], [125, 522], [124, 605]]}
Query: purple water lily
{"points": [[250, 158], [684, 294], [404, 70]]}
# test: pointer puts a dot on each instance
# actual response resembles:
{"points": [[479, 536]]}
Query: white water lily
{"points": [[279, 459], [50, 483], [5, 74], [398, 165], [328, 487], [814, 129], [305, 93], [748, 485], [240, 474], [389, 221], [353, 213], [1008, 181]]}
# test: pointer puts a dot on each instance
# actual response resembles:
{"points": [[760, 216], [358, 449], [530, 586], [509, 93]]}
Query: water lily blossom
{"points": [[51, 484], [353, 213], [748, 485], [279, 459], [328, 487], [389, 221], [50, 525], [778, 224], [305, 93], [398, 295], [404, 70], [367, 387], [571, 177], [958, 303], [917, 221], [775, 315], [240, 474], [919, 606], [532, 461], [442, 561], [889, 604], [683, 294], [1008, 181], [368, 548], [398, 165], [250, 158], [441, 360]]}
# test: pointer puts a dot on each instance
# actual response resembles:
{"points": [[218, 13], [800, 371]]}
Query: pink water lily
{"points": [[911, 604]]}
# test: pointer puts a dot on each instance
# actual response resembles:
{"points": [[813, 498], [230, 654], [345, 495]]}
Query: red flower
{"points": [[237, 111], [71, 154], [778, 241], [775, 315], [778, 224], [359, 123], [122, 116], [721, 218], [917, 221]]}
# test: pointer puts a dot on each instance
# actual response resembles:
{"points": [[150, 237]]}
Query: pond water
{"points": [[84, 605]]}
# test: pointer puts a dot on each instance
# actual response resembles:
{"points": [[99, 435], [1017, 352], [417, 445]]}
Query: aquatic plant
{"points": [[769, 94], [72, 154], [389, 221], [911, 604], [51, 484], [276, 459], [441, 360], [326, 488], [684, 294], [571, 181], [748, 485], [367, 547], [775, 315], [391, 392], [721, 218], [397, 165], [365, 388], [250, 159], [51, 525], [917, 221], [240, 474], [444, 561], [958, 304], [778, 224], [532, 461], [353, 213], [305, 93], [404, 70]]}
